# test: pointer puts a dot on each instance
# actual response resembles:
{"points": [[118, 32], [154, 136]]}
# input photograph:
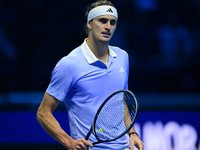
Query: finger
{"points": [[141, 146], [131, 147], [89, 144]]}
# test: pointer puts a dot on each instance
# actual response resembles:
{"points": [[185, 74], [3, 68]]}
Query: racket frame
{"points": [[92, 129]]}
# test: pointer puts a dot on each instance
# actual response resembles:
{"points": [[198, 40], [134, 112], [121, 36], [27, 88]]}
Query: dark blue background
{"points": [[160, 36], [21, 127]]}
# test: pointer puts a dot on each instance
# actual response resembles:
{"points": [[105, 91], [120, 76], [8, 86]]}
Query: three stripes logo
{"points": [[109, 10], [121, 69]]}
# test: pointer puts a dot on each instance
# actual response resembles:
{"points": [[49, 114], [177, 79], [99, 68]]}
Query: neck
{"points": [[99, 49]]}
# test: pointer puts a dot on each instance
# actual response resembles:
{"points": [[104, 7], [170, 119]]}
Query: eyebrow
{"points": [[107, 19]]}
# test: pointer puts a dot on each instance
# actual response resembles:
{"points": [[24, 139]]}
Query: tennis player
{"points": [[84, 79]]}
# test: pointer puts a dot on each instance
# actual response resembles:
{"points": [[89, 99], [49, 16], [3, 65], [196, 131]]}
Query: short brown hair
{"points": [[93, 5]]}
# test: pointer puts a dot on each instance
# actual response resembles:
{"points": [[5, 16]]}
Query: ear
{"points": [[89, 24]]}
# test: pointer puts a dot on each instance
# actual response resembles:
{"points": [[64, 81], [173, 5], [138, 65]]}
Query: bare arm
{"points": [[135, 140], [52, 127]]}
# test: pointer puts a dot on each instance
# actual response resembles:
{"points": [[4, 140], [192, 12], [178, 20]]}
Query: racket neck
{"points": [[89, 133]]}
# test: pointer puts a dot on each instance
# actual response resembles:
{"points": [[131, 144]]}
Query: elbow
{"points": [[38, 116]]}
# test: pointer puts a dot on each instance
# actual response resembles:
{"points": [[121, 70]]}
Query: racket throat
{"points": [[89, 133]]}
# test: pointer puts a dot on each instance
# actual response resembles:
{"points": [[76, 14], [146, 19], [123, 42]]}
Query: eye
{"points": [[113, 22], [103, 20]]}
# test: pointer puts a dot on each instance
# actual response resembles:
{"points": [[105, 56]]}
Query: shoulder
{"points": [[74, 62], [75, 53], [72, 58], [119, 51]]}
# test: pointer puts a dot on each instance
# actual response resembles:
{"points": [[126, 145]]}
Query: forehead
{"points": [[109, 17]]}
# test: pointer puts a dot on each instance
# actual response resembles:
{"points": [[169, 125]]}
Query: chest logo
{"points": [[121, 69]]}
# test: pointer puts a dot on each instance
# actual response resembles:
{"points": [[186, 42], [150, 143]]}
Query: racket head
{"points": [[116, 116]]}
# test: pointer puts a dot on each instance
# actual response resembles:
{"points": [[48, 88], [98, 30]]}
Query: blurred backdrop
{"points": [[162, 38]]}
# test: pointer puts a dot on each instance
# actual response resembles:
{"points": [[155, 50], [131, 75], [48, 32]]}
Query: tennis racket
{"points": [[115, 117]]}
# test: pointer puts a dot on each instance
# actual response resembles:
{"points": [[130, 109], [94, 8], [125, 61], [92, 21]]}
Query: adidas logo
{"points": [[109, 10], [121, 70]]}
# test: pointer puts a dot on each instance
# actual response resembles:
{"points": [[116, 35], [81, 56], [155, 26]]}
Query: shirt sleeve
{"points": [[61, 80]]}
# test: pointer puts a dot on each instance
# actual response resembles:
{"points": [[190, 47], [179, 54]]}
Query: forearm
{"points": [[53, 128]]}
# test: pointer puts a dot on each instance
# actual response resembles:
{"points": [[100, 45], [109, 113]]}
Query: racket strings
{"points": [[115, 116]]}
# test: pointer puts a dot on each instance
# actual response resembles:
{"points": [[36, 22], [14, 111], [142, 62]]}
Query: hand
{"points": [[80, 144], [135, 141]]}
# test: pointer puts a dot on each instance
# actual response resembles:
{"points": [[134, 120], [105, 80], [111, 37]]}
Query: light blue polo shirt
{"points": [[83, 82]]}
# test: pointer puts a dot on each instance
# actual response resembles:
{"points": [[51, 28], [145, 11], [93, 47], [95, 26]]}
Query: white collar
{"points": [[91, 58]]}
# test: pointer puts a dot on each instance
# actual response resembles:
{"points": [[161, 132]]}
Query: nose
{"points": [[108, 26]]}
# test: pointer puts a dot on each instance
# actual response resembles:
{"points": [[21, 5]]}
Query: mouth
{"points": [[106, 34]]}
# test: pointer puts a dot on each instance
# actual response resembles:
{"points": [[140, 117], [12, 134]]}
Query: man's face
{"points": [[102, 28]]}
